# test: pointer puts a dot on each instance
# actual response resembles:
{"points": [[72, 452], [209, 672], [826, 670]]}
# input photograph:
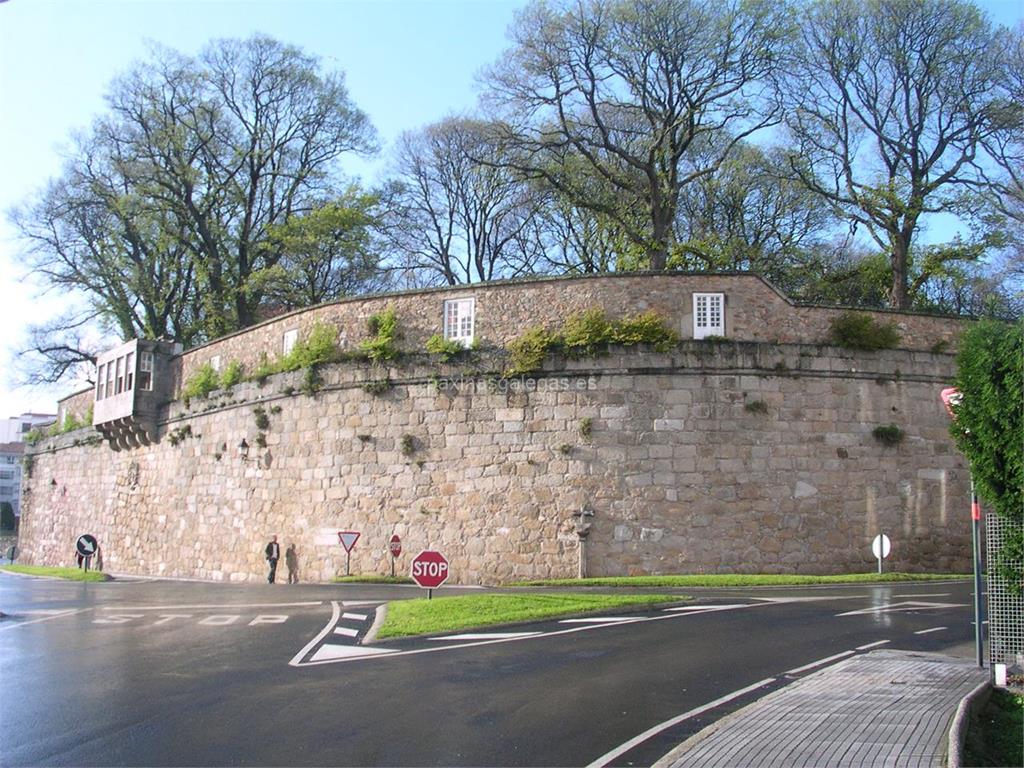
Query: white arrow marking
{"points": [[599, 620], [933, 629], [706, 608], [904, 607]]}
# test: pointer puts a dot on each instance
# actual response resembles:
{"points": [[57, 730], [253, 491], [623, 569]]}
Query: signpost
{"points": [[881, 547], [395, 548], [429, 570], [951, 398], [348, 540], [87, 546]]}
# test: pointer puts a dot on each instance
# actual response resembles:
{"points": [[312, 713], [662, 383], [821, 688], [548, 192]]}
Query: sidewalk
{"points": [[884, 708]]}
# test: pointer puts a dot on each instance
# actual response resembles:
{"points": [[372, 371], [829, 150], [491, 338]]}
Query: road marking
{"points": [[71, 612], [330, 652], [599, 620], [120, 618], [906, 606], [622, 749], [168, 617], [929, 594], [207, 607], [707, 608], [808, 599], [335, 615], [346, 631], [297, 659], [220, 620], [354, 616], [818, 663], [872, 645], [933, 629], [268, 619], [485, 636]]}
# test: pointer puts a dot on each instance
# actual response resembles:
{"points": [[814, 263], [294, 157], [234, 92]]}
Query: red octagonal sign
{"points": [[429, 569]]}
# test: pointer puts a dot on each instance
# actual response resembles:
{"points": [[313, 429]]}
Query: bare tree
{"points": [[617, 93], [889, 102], [454, 216]]}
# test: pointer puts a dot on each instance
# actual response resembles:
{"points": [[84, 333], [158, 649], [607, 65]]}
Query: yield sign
{"points": [[348, 539]]}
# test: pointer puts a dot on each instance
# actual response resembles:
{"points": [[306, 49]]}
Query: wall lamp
{"points": [[243, 449]]}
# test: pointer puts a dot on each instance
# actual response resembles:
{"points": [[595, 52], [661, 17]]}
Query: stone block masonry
{"points": [[719, 457]]}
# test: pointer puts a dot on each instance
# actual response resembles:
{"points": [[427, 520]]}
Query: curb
{"points": [[969, 706]]}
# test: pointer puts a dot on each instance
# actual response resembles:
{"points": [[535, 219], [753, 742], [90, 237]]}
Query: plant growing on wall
{"points": [[261, 418], [856, 330], [586, 428], [382, 344], [446, 349], [888, 434], [408, 445], [585, 334], [232, 374], [988, 428], [319, 347], [202, 382]]}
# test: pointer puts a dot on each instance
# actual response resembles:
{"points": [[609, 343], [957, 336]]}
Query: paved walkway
{"points": [[885, 708]]}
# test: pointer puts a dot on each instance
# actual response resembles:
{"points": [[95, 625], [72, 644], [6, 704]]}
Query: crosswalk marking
{"points": [[346, 631], [354, 616]]}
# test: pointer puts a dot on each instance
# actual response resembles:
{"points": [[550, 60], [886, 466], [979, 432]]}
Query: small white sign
{"points": [[881, 546]]}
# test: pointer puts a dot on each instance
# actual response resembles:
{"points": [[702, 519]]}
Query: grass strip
{"points": [[70, 574], [738, 580], [996, 736], [372, 578], [450, 614]]}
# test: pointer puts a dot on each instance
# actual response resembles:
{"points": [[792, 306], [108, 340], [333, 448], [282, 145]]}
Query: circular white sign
{"points": [[881, 546]]}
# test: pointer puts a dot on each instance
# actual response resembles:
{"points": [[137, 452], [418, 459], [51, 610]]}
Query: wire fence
{"points": [[1005, 609]]}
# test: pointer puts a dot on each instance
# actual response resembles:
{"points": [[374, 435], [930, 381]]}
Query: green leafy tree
{"points": [[890, 103], [988, 428], [615, 94], [160, 216]]}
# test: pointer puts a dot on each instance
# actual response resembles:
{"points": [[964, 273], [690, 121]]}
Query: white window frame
{"points": [[129, 371], [215, 363], [705, 315], [146, 366], [289, 340], [460, 320], [101, 382]]}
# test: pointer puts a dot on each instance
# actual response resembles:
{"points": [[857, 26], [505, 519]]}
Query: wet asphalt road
{"points": [[173, 673]]}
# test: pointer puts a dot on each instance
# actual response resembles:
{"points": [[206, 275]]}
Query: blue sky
{"points": [[406, 64]]}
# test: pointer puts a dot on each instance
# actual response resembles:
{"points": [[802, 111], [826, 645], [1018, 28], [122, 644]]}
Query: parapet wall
{"points": [[719, 457]]}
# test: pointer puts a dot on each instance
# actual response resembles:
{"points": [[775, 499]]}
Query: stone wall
{"points": [[720, 457]]}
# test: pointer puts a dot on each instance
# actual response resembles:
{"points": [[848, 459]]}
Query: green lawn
{"points": [[738, 580], [449, 614], [372, 578], [71, 574]]}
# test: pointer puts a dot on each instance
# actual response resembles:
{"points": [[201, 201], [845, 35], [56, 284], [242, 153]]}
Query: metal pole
{"points": [[348, 560], [976, 547]]}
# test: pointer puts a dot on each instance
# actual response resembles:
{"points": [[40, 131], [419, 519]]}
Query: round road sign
{"points": [[881, 546], [429, 569], [87, 545], [395, 545]]}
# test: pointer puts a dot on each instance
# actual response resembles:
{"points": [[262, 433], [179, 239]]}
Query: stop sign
{"points": [[429, 569], [395, 545]]}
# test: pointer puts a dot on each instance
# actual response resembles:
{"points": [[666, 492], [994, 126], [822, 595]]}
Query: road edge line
{"points": [[625, 747], [335, 615]]}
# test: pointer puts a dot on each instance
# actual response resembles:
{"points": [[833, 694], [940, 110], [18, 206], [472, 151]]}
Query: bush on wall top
{"points": [[855, 330]]}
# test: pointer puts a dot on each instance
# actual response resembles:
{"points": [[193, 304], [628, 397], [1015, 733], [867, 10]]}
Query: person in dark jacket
{"points": [[273, 553]]}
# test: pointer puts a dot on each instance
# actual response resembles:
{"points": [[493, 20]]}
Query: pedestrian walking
{"points": [[291, 559], [273, 553]]}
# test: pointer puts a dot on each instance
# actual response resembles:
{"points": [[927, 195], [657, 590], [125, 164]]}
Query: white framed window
{"points": [[708, 315], [215, 362], [110, 380], [129, 371], [459, 319], [289, 340], [100, 382], [146, 371], [119, 387]]}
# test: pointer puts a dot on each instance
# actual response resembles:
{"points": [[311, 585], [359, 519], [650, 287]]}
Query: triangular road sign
{"points": [[348, 539]]}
